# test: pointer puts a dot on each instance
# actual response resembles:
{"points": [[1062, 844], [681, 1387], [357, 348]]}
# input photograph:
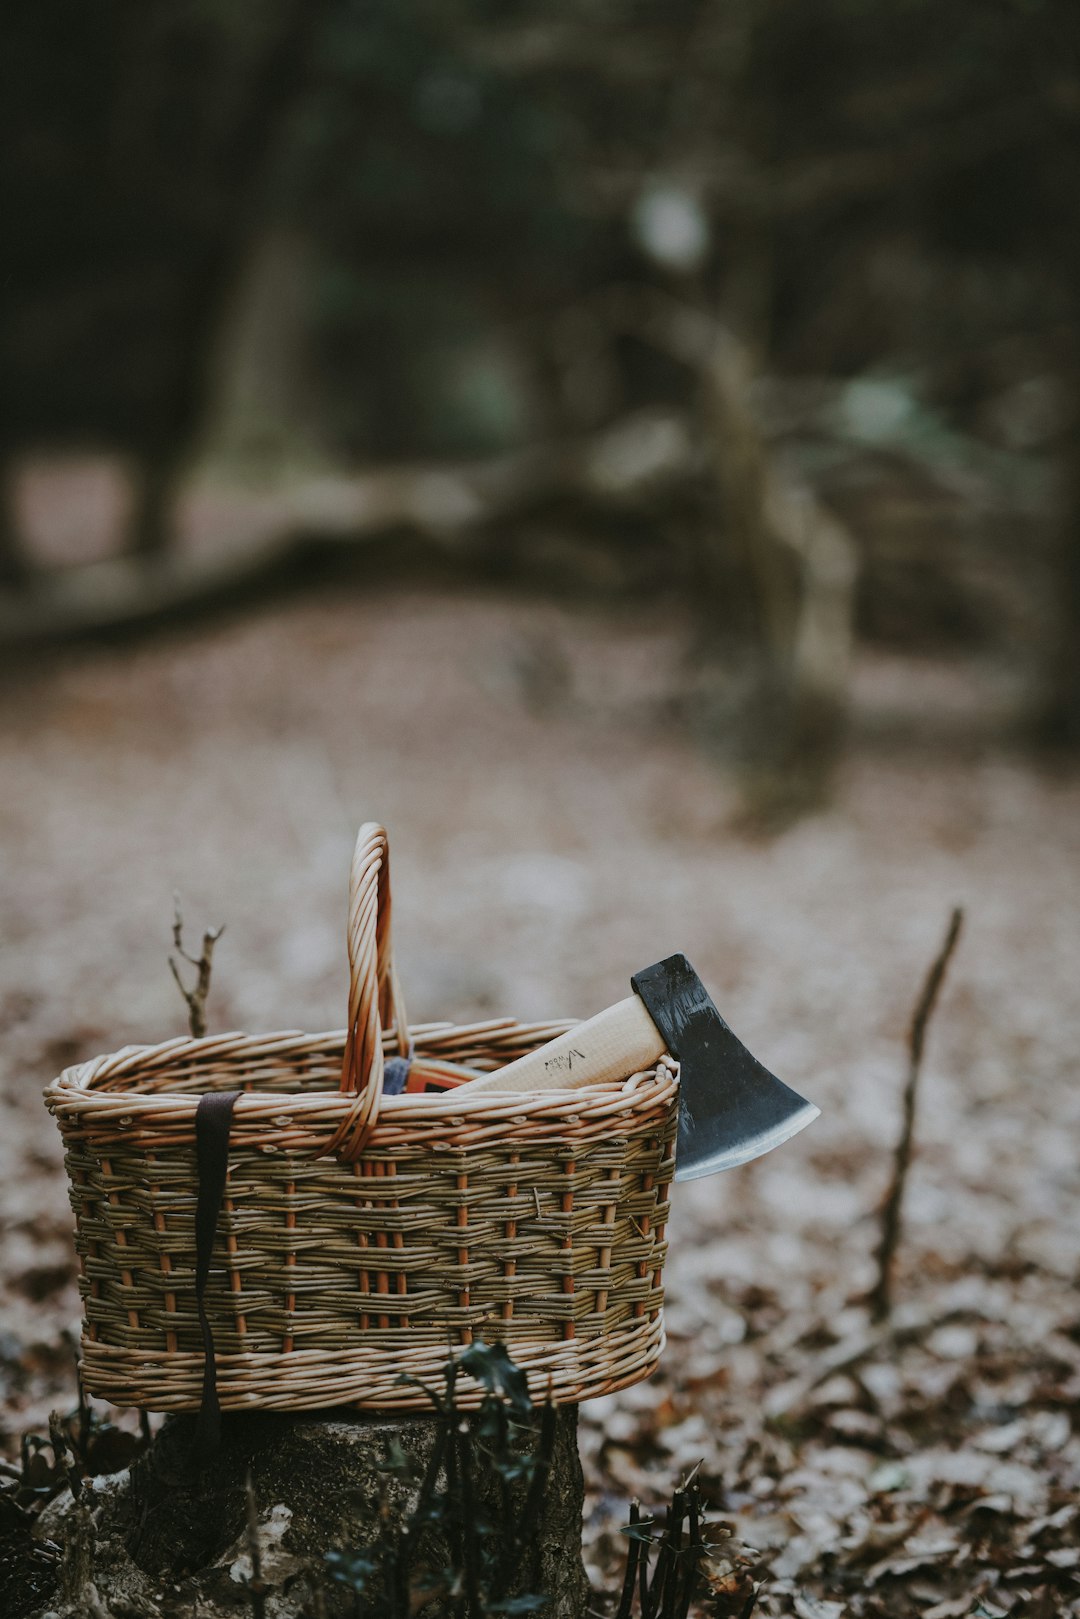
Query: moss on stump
{"points": [[163, 1541]]}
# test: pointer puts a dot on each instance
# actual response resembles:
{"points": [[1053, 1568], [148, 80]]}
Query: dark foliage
{"points": [[82, 1444], [665, 1588], [469, 1552]]}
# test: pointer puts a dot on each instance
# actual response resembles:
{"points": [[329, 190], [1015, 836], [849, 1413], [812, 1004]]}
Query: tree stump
{"points": [[162, 1541]]}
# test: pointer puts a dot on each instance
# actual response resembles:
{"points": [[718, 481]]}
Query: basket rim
{"points": [[86, 1088]]}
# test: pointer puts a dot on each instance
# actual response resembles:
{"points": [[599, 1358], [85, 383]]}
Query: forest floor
{"points": [[552, 831]]}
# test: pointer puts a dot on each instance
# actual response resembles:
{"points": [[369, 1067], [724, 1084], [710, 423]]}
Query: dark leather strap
{"points": [[213, 1121]]}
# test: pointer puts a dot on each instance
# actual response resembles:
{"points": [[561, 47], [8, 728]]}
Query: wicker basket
{"points": [[363, 1233]]}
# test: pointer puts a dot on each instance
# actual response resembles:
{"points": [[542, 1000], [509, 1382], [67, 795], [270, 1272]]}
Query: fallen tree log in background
{"points": [[328, 522], [778, 570]]}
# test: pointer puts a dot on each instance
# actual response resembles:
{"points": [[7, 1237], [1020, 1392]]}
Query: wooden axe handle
{"points": [[611, 1046]]}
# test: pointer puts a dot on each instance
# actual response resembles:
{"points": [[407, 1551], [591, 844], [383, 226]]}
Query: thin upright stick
{"points": [[880, 1296], [633, 1549], [203, 964]]}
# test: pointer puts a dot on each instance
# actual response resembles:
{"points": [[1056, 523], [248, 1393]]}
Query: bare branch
{"points": [[880, 1296], [327, 521], [196, 996]]}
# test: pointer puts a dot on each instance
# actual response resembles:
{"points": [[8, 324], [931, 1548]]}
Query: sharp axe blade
{"points": [[731, 1108]]}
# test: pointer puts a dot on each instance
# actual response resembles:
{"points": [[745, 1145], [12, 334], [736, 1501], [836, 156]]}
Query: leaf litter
{"points": [[926, 1465]]}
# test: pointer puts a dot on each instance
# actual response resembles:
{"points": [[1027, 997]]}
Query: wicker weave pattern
{"points": [[536, 1218]]}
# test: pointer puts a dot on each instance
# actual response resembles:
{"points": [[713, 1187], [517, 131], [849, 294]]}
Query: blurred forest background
{"points": [[631, 451], [767, 306]]}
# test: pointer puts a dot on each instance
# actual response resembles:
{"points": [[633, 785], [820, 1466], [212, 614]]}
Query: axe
{"points": [[731, 1109]]}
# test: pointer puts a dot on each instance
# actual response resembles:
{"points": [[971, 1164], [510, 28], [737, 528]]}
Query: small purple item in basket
{"points": [[396, 1075]]}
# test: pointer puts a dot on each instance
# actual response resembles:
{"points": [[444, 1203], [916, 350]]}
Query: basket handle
{"points": [[375, 999]]}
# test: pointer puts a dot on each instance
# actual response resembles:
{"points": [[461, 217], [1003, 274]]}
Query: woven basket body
{"points": [[364, 1236]]}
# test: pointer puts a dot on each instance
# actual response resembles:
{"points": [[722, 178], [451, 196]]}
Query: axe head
{"points": [[731, 1108]]}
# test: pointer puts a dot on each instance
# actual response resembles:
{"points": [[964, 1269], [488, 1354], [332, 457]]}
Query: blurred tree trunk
{"points": [[777, 586], [1068, 681], [783, 644], [249, 159], [268, 406], [14, 564], [1061, 712]]}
